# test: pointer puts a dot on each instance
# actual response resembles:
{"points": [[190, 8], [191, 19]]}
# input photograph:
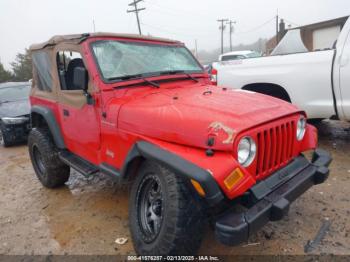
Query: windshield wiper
{"points": [[174, 72], [138, 77], [125, 77], [150, 82]]}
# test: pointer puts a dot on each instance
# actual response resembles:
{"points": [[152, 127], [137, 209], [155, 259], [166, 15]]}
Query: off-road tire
{"points": [[183, 222], [4, 141], [48, 167]]}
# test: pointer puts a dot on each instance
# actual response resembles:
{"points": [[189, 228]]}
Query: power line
{"points": [[291, 22], [178, 11], [163, 30], [136, 10], [257, 27], [222, 28], [184, 34], [167, 12], [176, 32]]}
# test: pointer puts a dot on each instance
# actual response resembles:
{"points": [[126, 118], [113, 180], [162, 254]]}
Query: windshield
{"points": [[232, 57], [240, 56], [14, 93], [118, 59], [253, 55]]}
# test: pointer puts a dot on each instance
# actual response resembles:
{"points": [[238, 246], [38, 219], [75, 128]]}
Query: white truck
{"points": [[316, 81], [235, 55]]}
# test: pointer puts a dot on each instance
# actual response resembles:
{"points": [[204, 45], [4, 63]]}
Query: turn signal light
{"points": [[198, 187], [232, 179]]}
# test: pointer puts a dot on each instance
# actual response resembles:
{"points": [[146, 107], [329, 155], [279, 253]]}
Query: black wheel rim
{"points": [[150, 207], [38, 160]]}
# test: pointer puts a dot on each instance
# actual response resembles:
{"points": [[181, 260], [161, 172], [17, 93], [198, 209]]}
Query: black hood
{"points": [[15, 108]]}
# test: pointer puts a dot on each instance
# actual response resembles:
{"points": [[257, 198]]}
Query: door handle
{"points": [[65, 112]]}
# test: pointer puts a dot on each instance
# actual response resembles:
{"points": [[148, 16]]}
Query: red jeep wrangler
{"points": [[143, 110]]}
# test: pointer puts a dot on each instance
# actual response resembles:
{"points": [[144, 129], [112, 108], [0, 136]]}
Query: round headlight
{"points": [[246, 151], [301, 126]]}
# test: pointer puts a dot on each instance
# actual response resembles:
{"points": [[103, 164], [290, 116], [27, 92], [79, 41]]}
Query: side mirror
{"points": [[80, 78], [80, 82]]}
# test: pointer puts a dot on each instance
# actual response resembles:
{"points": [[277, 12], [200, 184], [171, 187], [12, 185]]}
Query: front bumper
{"points": [[16, 132], [270, 199]]}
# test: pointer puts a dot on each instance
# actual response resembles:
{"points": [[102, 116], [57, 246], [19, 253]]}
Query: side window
{"points": [[67, 61], [42, 70], [231, 57]]}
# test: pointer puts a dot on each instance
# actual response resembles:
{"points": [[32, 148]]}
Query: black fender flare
{"points": [[178, 165], [50, 119]]}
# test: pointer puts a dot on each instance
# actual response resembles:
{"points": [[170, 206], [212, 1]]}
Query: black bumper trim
{"points": [[16, 132], [272, 200]]}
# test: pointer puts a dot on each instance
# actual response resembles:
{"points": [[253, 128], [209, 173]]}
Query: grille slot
{"points": [[275, 147]]}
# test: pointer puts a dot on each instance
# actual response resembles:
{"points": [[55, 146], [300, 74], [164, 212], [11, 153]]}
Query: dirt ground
{"points": [[87, 215]]}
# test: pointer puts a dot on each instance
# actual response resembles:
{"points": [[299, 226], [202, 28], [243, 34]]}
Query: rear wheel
{"points": [[48, 167], [164, 216]]}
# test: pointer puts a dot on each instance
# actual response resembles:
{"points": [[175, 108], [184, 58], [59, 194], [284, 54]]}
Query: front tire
{"points": [[164, 217], [315, 121], [48, 167], [4, 141]]}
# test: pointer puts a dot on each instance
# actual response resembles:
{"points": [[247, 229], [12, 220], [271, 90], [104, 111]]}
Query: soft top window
{"points": [[118, 59], [66, 62], [42, 70]]}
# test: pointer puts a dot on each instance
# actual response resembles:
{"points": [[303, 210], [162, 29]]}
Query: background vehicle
{"points": [[142, 110], [317, 82], [14, 112], [236, 55]]}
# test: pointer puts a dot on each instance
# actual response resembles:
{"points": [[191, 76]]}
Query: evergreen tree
{"points": [[5, 75], [22, 67]]}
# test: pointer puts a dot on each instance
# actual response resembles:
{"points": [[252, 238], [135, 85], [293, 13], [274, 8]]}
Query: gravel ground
{"points": [[87, 215]]}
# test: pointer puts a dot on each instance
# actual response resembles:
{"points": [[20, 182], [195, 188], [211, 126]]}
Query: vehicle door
{"points": [[79, 119], [344, 77]]}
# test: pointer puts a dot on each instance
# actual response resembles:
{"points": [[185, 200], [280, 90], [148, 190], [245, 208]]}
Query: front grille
{"points": [[275, 148]]}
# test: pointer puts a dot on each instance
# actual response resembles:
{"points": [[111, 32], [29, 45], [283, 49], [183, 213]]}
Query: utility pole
{"points": [[231, 31], [93, 25], [222, 28], [136, 10], [277, 40], [196, 47]]}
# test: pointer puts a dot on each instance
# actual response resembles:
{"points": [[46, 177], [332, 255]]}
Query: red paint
{"points": [[178, 117]]}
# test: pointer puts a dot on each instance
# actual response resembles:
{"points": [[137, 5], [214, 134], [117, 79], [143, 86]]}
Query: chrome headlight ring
{"points": [[301, 128], [246, 151]]}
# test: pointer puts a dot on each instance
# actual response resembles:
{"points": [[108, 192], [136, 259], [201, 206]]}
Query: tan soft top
{"points": [[79, 37]]}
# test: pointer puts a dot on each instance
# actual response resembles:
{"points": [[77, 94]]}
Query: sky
{"points": [[23, 22]]}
